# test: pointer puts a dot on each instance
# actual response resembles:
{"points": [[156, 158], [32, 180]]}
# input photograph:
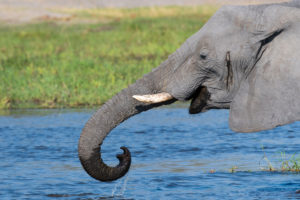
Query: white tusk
{"points": [[153, 98]]}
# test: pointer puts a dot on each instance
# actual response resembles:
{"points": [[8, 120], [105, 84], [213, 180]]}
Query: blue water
{"points": [[174, 156]]}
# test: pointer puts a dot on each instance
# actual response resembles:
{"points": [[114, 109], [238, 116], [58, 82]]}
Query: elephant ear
{"points": [[270, 95]]}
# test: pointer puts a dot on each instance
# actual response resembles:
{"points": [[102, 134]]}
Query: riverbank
{"points": [[52, 64]]}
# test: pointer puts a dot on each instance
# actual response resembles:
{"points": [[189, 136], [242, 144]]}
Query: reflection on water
{"points": [[175, 156]]}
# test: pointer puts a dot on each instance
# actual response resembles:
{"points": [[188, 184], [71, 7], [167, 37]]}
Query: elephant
{"points": [[245, 59]]}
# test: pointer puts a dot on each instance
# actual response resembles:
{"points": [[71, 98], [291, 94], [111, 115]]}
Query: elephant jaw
{"points": [[198, 103]]}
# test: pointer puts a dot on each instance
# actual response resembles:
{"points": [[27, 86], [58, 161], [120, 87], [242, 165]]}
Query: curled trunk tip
{"points": [[122, 168], [97, 169]]}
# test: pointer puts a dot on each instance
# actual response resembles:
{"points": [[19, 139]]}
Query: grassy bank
{"points": [[58, 64]]}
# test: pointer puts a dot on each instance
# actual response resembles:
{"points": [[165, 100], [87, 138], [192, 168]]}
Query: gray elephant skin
{"points": [[245, 58]]}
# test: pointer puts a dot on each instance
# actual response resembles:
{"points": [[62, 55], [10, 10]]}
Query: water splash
{"points": [[120, 186], [124, 186], [115, 188]]}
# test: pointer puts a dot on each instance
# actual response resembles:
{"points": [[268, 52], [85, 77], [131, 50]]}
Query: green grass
{"points": [[291, 164], [56, 64], [287, 163]]}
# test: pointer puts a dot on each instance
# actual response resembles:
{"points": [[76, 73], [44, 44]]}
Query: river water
{"points": [[174, 156]]}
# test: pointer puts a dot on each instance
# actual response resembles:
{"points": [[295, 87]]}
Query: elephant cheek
{"points": [[199, 101]]}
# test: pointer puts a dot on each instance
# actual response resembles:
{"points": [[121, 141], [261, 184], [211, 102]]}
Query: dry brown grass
{"points": [[110, 14]]}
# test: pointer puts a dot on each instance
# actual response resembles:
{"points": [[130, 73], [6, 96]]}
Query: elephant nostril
{"points": [[125, 150], [125, 156]]}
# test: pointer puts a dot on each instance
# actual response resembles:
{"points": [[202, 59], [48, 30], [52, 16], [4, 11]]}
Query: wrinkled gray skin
{"points": [[245, 58]]}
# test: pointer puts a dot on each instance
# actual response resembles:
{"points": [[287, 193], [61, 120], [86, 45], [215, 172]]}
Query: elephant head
{"points": [[245, 58]]}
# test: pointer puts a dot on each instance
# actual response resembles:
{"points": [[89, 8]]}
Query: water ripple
{"points": [[174, 156]]}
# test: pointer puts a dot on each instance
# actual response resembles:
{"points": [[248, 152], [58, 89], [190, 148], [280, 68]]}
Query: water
{"points": [[174, 156]]}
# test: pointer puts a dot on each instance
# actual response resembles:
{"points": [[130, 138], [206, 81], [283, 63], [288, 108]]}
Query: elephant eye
{"points": [[203, 56]]}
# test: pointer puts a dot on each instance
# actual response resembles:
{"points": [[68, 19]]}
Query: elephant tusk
{"points": [[154, 98]]}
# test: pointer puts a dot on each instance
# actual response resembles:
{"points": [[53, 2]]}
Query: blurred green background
{"points": [[85, 59]]}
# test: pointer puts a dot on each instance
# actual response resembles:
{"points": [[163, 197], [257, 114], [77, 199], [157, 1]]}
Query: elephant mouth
{"points": [[199, 100]]}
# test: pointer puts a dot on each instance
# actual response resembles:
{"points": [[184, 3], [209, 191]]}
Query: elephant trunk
{"points": [[137, 98], [112, 113]]}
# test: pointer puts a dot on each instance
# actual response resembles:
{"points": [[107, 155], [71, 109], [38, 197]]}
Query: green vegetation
{"points": [[290, 164], [287, 164], [91, 57]]}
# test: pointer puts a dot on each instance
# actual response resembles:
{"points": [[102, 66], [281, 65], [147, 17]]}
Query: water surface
{"points": [[174, 156]]}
